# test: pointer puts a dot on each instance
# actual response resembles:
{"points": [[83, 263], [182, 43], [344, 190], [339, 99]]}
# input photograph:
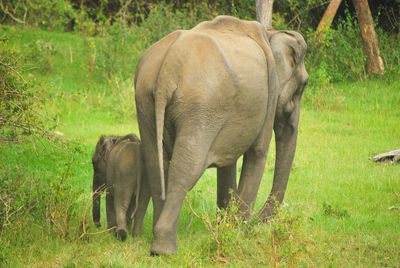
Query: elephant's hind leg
{"points": [[123, 196], [187, 165], [110, 211]]}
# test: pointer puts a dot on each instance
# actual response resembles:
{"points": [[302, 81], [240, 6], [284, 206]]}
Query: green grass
{"points": [[336, 211]]}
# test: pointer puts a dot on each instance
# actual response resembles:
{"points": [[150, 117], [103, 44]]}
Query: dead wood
{"points": [[393, 156]]}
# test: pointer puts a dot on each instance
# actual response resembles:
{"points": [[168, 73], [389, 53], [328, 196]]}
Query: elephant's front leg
{"points": [[254, 161], [226, 185]]}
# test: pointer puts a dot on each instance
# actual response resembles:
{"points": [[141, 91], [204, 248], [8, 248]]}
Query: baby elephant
{"points": [[119, 170]]}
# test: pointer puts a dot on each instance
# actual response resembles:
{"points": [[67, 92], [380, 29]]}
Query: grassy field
{"points": [[340, 209]]}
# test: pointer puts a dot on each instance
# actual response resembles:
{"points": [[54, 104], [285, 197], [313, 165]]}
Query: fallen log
{"points": [[393, 156]]}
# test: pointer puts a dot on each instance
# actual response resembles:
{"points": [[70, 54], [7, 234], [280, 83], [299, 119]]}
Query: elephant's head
{"points": [[99, 159], [289, 50]]}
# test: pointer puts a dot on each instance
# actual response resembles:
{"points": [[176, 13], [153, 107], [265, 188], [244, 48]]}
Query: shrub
{"points": [[53, 15], [334, 211], [16, 98], [37, 205], [338, 52], [20, 105], [28, 198], [390, 52], [40, 53]]}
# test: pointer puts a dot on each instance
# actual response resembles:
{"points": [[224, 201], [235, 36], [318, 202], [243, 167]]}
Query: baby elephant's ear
{"points": [[109, 143], [133, 138], [101, 141], [113, 140]]}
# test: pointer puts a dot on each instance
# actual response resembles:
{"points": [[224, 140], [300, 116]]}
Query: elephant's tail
{"points": [[166, 86], [160, 106]]}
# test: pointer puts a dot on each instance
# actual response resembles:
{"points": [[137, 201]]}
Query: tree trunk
{"points": [[264, 13], [369, 38], [329, 15]]}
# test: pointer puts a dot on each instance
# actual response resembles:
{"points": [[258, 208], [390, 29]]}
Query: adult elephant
{"points": [[205, 97]]}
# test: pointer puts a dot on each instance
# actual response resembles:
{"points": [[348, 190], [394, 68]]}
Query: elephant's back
{"points": [[149, 65], [129, 156], [219, 81], [213, 69]]}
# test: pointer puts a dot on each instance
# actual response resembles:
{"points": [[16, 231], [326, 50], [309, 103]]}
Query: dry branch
{"points": [[393, 156], [6, 11]]}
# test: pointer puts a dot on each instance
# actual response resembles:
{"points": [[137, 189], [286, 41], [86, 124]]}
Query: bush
{"points": [[21, 106], [300, 14], [280, 239], [28, 198], [338, 52], [53, 15], [16, 99], [390, 52], [37, 205], [113, 53]]}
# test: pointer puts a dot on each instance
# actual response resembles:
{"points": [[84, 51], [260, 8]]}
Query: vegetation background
{"points": [[66, 77]]}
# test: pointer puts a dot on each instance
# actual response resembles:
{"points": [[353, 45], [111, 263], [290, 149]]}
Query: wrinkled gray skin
{"points": [[205, 97], [118, 168]]}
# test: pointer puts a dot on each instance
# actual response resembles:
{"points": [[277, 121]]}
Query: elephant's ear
{"points": [[99, 150], [132, 138], [109, 143], [289, 49]]}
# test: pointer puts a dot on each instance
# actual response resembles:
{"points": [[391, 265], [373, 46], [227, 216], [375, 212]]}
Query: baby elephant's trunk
{"points": [[96, 210], [97, 190]]}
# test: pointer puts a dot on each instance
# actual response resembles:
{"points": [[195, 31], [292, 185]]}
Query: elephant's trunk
{"points": [[286, 130], [97, 190]]}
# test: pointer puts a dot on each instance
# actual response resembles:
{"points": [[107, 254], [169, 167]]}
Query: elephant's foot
{"points": [[244, 211], [244, 214], [121, 234], [128, 221], [267, 213], [111, 226], [136, 233], [163, 248]]}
